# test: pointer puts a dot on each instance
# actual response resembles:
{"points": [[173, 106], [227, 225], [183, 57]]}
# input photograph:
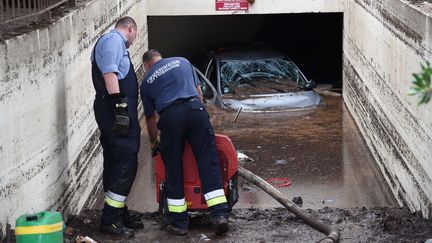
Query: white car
{"points": [[256, 80]]}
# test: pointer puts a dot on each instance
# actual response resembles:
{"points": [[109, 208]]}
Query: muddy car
{"points": [[258, 79]]}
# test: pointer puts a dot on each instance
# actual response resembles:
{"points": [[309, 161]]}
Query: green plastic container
{"points": [[43, 227]]}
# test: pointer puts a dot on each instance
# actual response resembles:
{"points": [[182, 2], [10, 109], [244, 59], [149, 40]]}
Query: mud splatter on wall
{"points": [[49, 145], [384, 43]]}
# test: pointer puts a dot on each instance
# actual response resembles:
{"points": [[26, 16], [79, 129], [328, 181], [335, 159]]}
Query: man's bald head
{"points": [[124, 22]]}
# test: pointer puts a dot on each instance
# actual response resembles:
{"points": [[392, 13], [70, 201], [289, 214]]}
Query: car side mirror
{"points": [[311, 84]]}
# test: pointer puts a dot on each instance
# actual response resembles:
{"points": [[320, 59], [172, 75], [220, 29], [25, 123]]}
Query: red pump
{"points": [[192, 185]]}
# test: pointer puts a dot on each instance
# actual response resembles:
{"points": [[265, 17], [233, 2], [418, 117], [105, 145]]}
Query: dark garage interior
{"points": [[312, 40]]}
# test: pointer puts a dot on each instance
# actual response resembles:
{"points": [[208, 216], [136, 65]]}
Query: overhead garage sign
{"points": [[231, 5]]}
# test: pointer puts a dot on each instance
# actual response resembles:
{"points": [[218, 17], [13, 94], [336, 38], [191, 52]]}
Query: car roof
{"points": [[243, 54]]}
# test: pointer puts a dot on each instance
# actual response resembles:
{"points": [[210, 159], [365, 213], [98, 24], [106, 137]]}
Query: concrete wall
{"points": [[49, 151], [384, 43]]}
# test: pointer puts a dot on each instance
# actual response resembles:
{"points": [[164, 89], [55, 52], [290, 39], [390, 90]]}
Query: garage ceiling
{"points": [[189, 36]]}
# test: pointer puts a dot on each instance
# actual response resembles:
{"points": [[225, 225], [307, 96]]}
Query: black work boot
{"points": [[176, 231], [130, 220], [220, 224], [117, 229]]}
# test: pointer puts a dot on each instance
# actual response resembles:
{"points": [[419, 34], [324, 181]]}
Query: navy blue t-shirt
{"points": [[168, 80]]}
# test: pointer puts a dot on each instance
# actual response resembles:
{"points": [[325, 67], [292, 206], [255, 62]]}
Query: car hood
{"points": [[275, 102]]}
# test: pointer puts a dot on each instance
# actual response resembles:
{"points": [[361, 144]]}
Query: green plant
{"points": [[422, 84]]}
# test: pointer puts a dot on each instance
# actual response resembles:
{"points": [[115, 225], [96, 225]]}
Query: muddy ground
{"points": [[320, 151], [275, 225]]}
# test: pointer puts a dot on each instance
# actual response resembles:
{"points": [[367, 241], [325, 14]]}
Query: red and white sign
{"points": [[232, 5]]}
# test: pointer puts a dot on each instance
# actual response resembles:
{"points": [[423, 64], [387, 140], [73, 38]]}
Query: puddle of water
{"points": [[321, 151]]}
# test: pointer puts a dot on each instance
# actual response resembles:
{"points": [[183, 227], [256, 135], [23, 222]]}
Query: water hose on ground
{"points": [[332, 234]]}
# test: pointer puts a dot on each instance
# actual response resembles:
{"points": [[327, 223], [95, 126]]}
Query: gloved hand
{"points": [[155, 147], [122, 122]]}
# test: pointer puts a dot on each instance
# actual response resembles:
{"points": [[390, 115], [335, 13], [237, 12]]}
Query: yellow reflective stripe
{"points": [[114, 203], [40, 229], [177, 209], [216, 200]]}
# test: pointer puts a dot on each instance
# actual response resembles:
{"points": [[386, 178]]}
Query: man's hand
{"points": [[155, 147], [122, 122]]}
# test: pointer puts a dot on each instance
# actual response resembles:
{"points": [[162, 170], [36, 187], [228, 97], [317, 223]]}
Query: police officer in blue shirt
{"points": [[172, 89], [115, 108]]}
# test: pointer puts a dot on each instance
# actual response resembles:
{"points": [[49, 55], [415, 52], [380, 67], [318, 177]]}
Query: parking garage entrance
{"points": [[313, 41], [320, 149]]}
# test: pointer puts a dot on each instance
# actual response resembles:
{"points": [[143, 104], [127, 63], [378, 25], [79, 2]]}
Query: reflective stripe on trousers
{"points": [[115, 200], [176, 205], [215, 197]]}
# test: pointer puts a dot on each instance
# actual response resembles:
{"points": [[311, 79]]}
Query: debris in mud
{"points": [[86, 239], [87, 221], [243, 157], [279, 182], [280, 162], [278, 225], [200, 238], [328, 201], [246, 186], [298, 201]]}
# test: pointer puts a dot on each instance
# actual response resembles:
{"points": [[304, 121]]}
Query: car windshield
{"points": [[234, 73]]}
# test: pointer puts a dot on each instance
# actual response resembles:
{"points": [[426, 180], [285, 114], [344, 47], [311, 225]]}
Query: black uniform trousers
{"points": [[178, 123]]}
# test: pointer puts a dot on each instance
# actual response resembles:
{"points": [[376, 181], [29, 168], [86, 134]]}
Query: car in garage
{"points": [[256, 79]]}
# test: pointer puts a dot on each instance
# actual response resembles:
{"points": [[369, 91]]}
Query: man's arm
{"points": [[110, 56], [152, 129], [111, 83]]}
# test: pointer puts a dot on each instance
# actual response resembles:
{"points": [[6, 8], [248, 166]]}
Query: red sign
{"points": [[232, 5]]}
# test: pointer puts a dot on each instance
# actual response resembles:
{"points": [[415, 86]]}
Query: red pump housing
{"points": [[227, 156]]}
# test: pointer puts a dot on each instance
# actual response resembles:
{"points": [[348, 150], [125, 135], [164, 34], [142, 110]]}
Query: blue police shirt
{"points": [[168, 80], [112, 55]]}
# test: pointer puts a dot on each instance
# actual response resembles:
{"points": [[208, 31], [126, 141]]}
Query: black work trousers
{"points": [[190, 122], [120, 160]]}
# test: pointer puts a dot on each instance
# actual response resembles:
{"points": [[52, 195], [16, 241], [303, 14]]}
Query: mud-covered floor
{"points": [[276, 225], [319, 150]]}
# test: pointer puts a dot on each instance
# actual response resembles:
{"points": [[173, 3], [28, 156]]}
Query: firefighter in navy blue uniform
{"points": [[172, 89], [115, 108]]}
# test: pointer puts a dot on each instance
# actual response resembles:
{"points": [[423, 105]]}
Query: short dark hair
{"points": [[148, 55], [124, 21]]}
